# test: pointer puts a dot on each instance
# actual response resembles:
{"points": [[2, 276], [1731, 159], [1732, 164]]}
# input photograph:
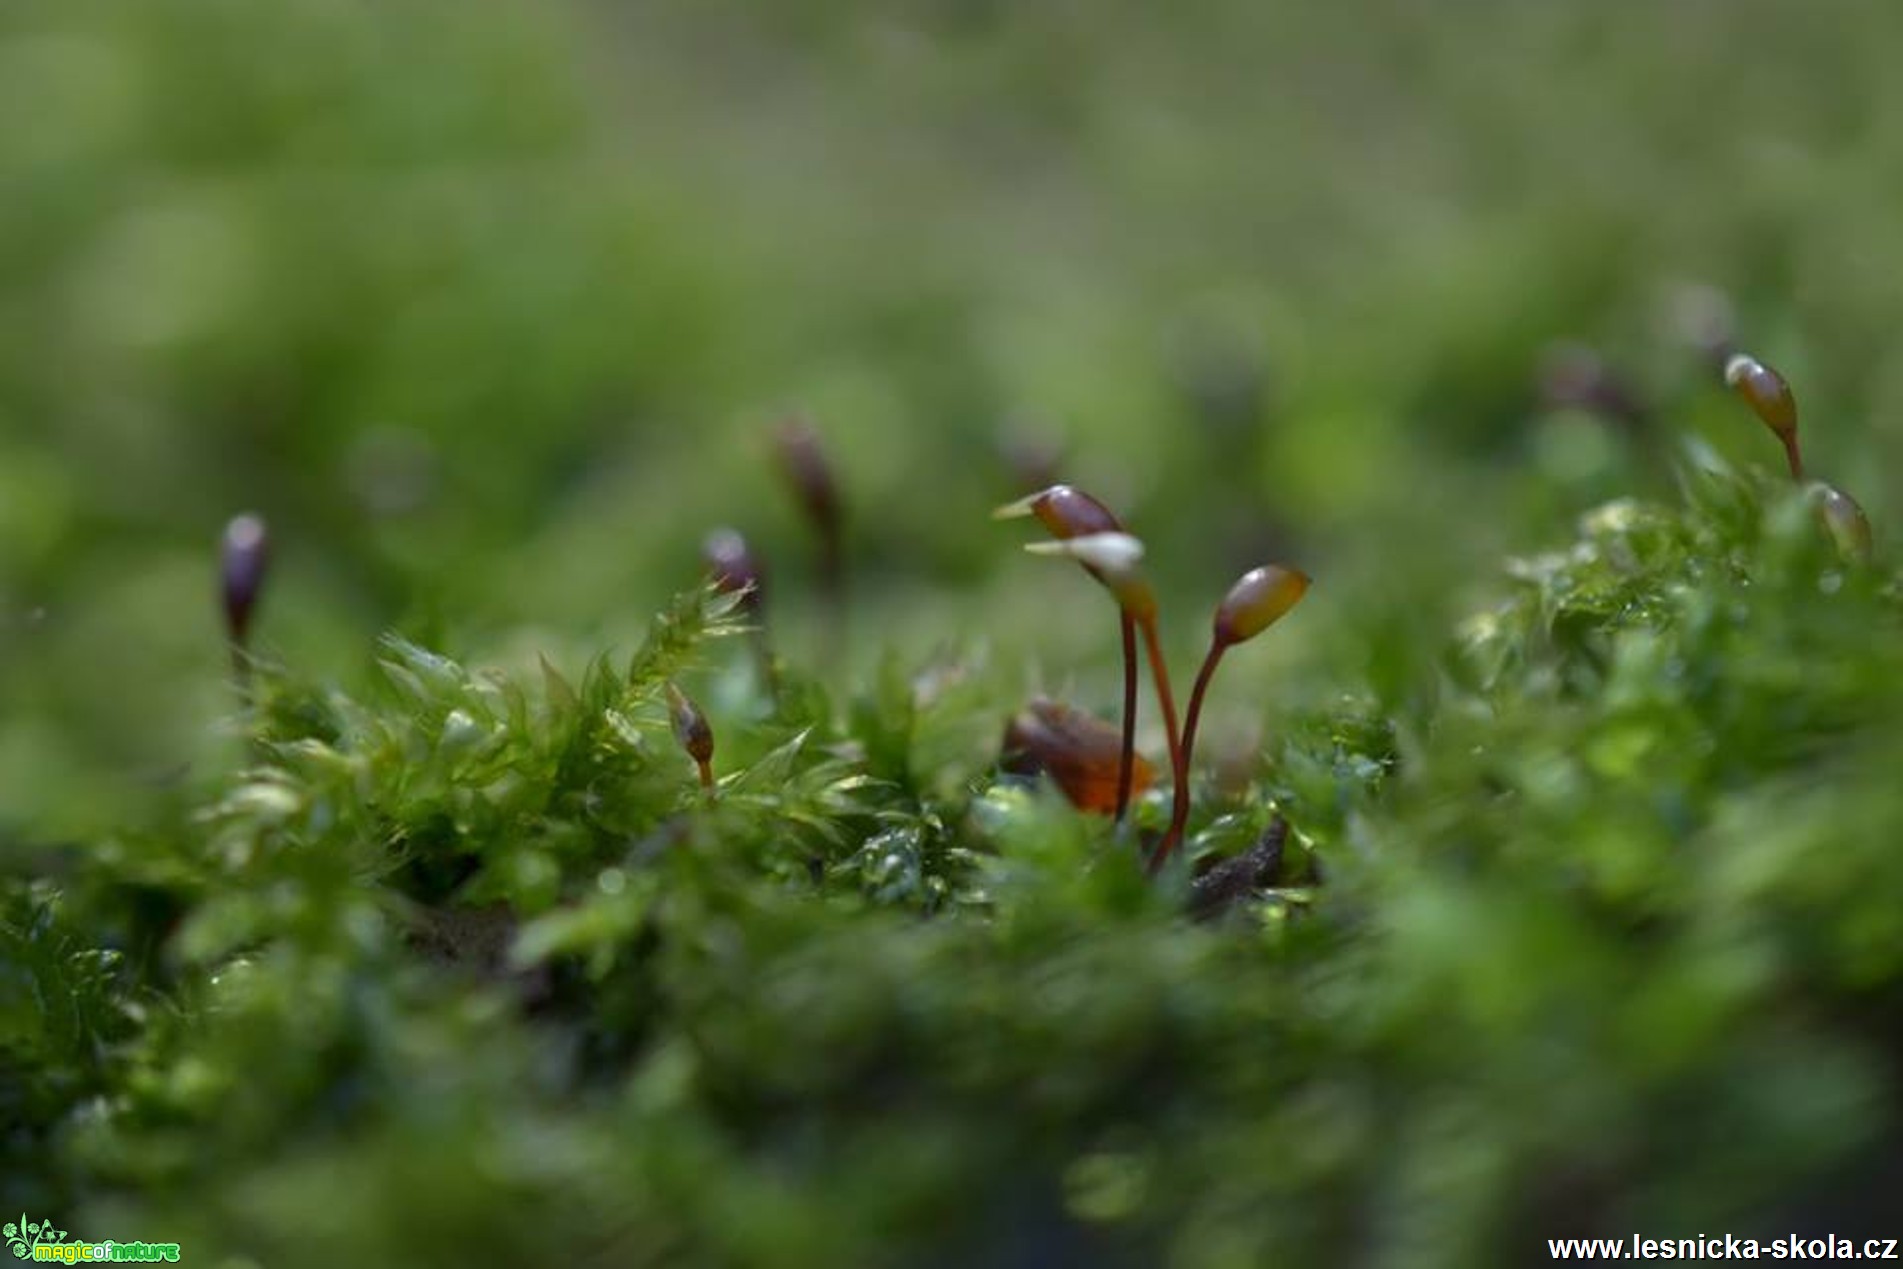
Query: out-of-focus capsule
{"points": [[1573, 376], [1843, 519], [244, 559], [810, 473], [734, 568], [1079, 751]]}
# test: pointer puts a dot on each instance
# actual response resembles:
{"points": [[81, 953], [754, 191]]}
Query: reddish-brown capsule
{"points": [[734, 568], [1079, 751], [1259, 599], [244, 559], [1770, 398], [692, 732], [1064, 511], [1764, 390]]}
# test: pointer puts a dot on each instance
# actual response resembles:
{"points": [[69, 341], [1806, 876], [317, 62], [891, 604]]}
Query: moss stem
{"points": [[1179, 776], [1792, 456], [1179, 813], [1126, 763]]}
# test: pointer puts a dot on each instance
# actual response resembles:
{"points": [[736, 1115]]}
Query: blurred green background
{"points": [[490, 307]]}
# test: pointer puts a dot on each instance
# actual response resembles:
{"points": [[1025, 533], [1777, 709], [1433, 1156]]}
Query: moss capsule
{"points": [[1770, 398], [734, 568], [244, 560], [1843, 519], [1080, 752], [1065, 511], [1259, 599], [692, 732]]}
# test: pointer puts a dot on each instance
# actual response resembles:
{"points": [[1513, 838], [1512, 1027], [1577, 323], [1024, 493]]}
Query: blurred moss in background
{"points": [[488, 306], [491, 309]]}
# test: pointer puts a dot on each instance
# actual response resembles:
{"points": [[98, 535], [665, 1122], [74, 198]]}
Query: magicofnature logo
{"points": [[38, 1240]]}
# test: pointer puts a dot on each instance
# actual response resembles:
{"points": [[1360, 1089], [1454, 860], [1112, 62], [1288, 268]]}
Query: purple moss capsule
{"points": [[244, 559], [810, 473], [734, 568]]}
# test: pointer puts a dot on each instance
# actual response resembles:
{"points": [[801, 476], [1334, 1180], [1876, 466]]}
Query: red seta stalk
{"points": [[1126, 761], [1179, 773], [1179, 813]]}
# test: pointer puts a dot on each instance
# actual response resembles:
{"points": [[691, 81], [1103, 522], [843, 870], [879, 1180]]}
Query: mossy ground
{"points": [[1598, 934]]}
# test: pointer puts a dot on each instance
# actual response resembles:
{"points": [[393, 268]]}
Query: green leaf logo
{"points": [[24, 1236]]}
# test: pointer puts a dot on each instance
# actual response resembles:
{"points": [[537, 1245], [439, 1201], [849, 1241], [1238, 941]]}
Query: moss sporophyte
{"points": [[244, 558], [692, 732], [1069, 513], [735, 570], [1085, 530], [809, 475], [1770, 397]]}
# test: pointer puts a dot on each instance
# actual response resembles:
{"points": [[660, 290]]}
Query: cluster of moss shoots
{"points": [[1099, 769], [1096, 766], [1074, 747]]}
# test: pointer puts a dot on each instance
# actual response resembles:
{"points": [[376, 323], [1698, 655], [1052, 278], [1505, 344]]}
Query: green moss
{"points": [[1585, 918], [1603, 939]]}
